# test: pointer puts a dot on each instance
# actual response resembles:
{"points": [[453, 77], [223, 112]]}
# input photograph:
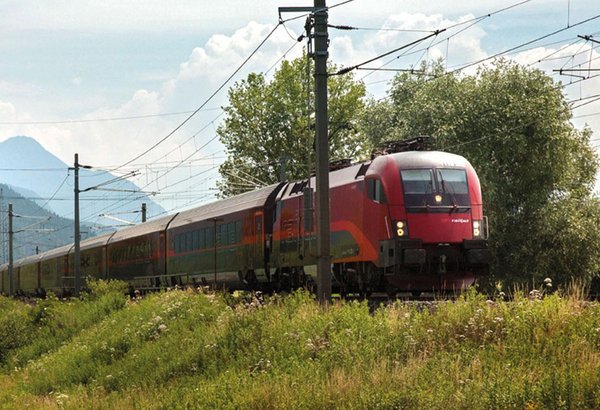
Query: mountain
{"points": [[35, 173], [33, 226]]}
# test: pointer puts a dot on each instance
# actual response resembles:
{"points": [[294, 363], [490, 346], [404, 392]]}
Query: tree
{"points": [[537, 171], [268, 128]]}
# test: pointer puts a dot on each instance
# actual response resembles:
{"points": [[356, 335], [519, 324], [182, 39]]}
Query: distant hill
{"points": [[34, 226], [38, 175]]}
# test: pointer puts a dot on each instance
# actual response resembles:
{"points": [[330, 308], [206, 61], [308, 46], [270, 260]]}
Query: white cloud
{"points": [[77, 81], [9, 89], [7, 110]]}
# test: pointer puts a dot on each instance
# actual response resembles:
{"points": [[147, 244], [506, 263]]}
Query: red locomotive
{"points": [[410, 221]]}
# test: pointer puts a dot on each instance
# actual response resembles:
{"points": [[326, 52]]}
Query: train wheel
{"points": [[284, 282], [310, 284], [368, 280]]}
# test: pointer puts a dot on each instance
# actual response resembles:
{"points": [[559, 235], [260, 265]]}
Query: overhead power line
{"points": [[470, 23], [205, 102], [354, 67], [535, 40], [344, 27], [281, 22], [106, 119]]}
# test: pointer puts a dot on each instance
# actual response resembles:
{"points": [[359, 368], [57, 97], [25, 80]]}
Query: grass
{"points": [[190, 349]]}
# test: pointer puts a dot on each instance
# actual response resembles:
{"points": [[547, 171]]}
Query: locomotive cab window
{"points": [[454, 188], [375, 190], [453, 181], [435, 190], [417, 181]]}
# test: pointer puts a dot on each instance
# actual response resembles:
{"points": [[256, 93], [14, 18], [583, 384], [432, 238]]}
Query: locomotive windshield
{"points": [[435, 190]]}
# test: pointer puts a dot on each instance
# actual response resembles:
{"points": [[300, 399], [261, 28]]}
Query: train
{"points": [[405, 220]]}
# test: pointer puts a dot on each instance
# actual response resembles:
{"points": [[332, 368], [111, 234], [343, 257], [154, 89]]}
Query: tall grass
{"points": [[190, 349], [28, 330]]}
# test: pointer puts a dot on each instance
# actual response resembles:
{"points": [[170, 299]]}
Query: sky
{"points": [[74, 73]]}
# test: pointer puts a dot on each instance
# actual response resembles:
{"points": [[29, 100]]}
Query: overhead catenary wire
{"points": [[535, 40], [223, 84], [507, 52], [596, 98], [104, 119], [433, 43], [520, 46], [354, 67], [212, 122], [346, 27], [470, 23]]}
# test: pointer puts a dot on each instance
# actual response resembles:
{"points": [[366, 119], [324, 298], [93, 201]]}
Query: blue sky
{"points": [[86, 60]]}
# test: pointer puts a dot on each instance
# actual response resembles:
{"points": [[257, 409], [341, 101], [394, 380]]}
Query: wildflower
{"points": [[162, 327], [261, 367], [548, 282], [60, 397]]}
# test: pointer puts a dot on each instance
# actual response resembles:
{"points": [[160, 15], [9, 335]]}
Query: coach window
{"points": [[195, 240], [375, 190], [230, 233], [210, 237], [178, 244], [220, 235], [201, 239], [277, 212], [189, 241], [238, 231]]}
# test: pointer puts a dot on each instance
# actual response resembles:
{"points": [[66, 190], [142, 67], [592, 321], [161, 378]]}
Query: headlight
{"points": [[476, 229], [401, 229]]}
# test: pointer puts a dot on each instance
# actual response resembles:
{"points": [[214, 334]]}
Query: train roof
{"points": [[26, 260], [247, 200], [95, 241], [145, 228], [425, 159], [336, 178], [56, 252]]}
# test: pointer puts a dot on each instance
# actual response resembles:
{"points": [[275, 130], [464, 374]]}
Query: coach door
{"points": [[259, 239]]}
